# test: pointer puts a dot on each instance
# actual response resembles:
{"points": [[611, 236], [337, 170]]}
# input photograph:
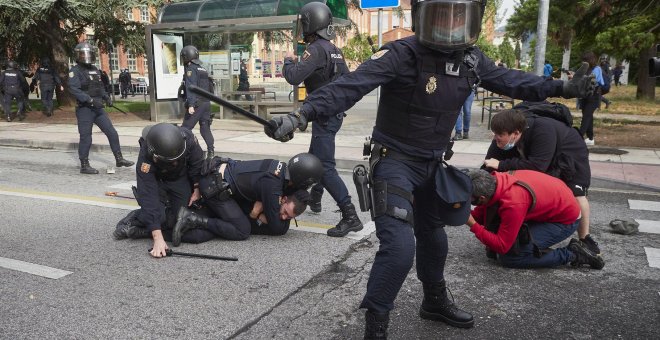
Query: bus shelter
{"points": [[231, 35]]}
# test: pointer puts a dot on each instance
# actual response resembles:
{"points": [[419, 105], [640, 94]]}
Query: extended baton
{"points": [[210, 96], [118, 109], [170, 252]]}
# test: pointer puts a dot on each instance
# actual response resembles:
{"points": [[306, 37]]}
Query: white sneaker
{"points": [[589, 141]]}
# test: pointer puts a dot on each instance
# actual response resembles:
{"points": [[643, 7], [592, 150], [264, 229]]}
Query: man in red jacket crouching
{"points": [[520, 214]]}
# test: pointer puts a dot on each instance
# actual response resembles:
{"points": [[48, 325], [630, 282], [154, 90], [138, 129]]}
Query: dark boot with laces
{"points": [[186, 220], [87, 169], [375, 325], [120, 161], [349, 222], [582, 255], [315, 204], [130, 227], [591, 244], [437, 306]]}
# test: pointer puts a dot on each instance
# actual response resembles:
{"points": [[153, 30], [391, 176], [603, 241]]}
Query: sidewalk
{"points": [[638, 169]]}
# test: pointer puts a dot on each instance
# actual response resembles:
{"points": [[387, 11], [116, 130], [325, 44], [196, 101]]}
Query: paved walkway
{"points": [[244, 139]]}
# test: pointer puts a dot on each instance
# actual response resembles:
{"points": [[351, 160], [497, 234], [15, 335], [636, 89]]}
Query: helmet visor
{"points": [[172, 158], [86, 56], [448, 25]]}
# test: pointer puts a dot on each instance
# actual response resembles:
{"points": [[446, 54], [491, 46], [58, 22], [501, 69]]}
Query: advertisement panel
{"points": [[167, 66]]}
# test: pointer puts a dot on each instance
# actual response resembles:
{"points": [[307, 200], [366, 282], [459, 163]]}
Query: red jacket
{"points": [[555, 203]]}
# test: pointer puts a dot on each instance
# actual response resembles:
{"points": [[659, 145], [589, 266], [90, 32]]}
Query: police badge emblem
{"points": [[189, 73], [378, 54], [145, 167], [306, 55], [431, 85], [71, 74]]}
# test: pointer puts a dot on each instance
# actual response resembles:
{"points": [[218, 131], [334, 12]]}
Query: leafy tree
{"points": [[358, 49], [31, 29], [488, 48], [506, 53], [518, 53]]}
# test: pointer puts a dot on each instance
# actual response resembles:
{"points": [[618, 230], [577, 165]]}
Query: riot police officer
{"points": [[250, 197], [85, 84], [424, 81], [125, 82], [168, 172], [321, 63], [198, 108], [13, 82], [47, 78]]}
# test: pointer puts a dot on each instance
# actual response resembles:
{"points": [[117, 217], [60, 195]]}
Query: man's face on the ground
{"points": [[505, 138], [286, 209]]}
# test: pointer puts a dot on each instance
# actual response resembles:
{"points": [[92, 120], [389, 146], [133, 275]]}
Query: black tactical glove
{"points": [[581, 86], [282, 127]]}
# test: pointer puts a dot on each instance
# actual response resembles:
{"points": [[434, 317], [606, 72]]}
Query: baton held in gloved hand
{"points": [[170, 252], [210, 96]]}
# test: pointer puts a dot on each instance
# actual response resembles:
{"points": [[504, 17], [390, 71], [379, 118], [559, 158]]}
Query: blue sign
{"points": [[369, 4]]}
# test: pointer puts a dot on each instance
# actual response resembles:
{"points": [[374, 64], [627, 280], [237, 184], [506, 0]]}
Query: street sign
{"points": [[372, 4]]}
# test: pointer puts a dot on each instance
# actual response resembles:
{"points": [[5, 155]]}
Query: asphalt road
{"points": [[303, 285]]}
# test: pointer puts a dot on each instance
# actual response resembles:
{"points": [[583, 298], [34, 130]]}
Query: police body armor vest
{"points": [[335, 68], [202, 78], [244, 175], [46, 78], [423, 114], [12, 85], [92, 84]]}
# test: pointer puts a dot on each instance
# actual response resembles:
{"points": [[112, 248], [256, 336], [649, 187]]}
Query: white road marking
{"points": [[653, 256], [646, 226], [99, 202], [32, 268], [644, 205]]}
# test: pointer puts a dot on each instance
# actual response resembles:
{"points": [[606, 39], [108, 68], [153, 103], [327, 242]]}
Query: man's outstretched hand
{"points": [[581, 86], [282, 127]]}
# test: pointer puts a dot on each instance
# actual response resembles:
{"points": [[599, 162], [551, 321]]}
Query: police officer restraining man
{"points": [[199, 108], [250, 197], [85, 84], [12, 82], [424, 81], [47, 78], [321, 63]]}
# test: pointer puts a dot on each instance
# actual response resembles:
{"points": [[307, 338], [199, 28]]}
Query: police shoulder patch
{"points": [[379, 54], [189, 73], [71, 74], [145, 167], [306, 55]]}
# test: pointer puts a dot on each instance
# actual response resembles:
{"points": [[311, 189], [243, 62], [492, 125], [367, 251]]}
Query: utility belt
{"points": [[213, 184]]}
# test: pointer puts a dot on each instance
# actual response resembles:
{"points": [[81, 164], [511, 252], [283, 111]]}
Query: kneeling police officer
{"points": [[250, 197]]}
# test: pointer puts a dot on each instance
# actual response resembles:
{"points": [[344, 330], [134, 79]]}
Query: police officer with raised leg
{"points": [[198, 108], [322, 63], [13, 82], [424, 80], [85, 84], [48, 79]]}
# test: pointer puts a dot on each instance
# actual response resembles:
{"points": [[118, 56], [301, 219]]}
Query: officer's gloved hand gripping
{"points": [[282, 127], [581, 86]]}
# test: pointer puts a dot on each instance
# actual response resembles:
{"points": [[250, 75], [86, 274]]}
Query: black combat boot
{"points": [[85, 168], [130, 227], [437, 306], [349, 222], [186, 219], [375, 325], [315, 203], [120, 161]]}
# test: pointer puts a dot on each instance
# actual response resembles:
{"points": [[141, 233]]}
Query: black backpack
{"points": [[557, 111]]}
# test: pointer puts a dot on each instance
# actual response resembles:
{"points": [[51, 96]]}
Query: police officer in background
{"points": [[47, 78], [424, 81], [199, 108], [168, 172], [85, 84], [321, 63], [125, 82], [250, 197], [13, 82]]}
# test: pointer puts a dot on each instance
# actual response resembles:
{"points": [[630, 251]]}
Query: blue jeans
{"points": [[464, 115], [323, 147], [544, 235]]}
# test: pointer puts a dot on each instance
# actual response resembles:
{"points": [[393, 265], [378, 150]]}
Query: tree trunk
{"points": [[53, 30], [645, 84], [566, 59]]}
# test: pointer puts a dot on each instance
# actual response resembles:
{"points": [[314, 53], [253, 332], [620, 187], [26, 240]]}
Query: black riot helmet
{"points": [[165, 142], [85, 53], [189, 53], [447, 25], [315, 17], [12, 65], [45, 61], [304, 170]]}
